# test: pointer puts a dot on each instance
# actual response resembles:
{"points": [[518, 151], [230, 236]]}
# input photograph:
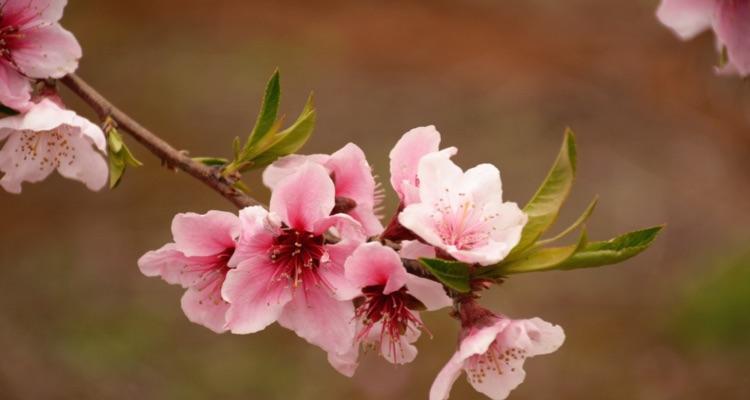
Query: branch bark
{"points": [[168, 154]]}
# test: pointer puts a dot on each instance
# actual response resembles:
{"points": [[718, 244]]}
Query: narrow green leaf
{"points": [[114, 140], [268, 110], [212, 161], [544, 206], [452, 274], [534, 261], [128, 156], [236, 147], [116, 169], [291, 139], [596, 254], [580, 221]]}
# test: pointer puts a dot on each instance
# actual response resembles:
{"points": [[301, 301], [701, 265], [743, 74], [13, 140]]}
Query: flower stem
{"points": [[156, 145]]}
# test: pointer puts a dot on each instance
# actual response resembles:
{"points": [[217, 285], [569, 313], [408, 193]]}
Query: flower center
{"points": [[392, 311], [297, 256], [460, 222], [210, 273], [51, 148], [496, 360], [9, 34]]}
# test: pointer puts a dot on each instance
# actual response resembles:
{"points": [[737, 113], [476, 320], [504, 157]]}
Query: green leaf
{"points": [[544, 206], [268, 110], [596, 254], [536, 260], [114, 140], [212, 161], [119, 157], [580, 221], [453, 274], [291, 139], [129, 158]]}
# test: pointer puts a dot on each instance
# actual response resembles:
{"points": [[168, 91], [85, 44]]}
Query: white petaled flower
{"points": [[47, 138], [463, 212]]}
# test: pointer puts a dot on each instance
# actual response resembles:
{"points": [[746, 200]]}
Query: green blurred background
{"points": [[661, 140]]}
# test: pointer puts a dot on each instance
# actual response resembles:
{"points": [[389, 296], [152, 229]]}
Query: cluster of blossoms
{"points": [[729, 19], [319, 262], [43, 136]]}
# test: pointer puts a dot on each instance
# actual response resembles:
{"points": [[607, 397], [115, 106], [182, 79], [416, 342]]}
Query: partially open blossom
{"points": [[33, 45], [197, 260], [405, 157], [387, 304], [352, 177], [47, 138], [492, 352], [729, 20], [463, 212], [288, 270]]}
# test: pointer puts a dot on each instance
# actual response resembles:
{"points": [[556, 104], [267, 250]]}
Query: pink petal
{"points": [[346, 227], [346, 363], [406, 154], [256, 295], [333, 272], [441, 387], [19, 166], [687, 18], [414, 249], [257, 230], [498, 386], [167, 262], [373, 264], [320, 319], [400, 352], [536, 336], [304, 197], [732, 26], [205, 306], [436, 173], [30, 13], [288, 165], [88, 166], [15, 89], [478, 340], [205, 234], [420, 219], [483, 182], [47, 51], [428, 292], [353, 179]]}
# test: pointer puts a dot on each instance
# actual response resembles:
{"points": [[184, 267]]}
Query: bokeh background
{"points": [[661, 140]]}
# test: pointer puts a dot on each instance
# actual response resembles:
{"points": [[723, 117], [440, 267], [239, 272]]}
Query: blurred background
{"points": [[661, 140]]}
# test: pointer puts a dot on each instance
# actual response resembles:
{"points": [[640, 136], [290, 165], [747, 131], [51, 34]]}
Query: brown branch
{"points": [[155, 144]]}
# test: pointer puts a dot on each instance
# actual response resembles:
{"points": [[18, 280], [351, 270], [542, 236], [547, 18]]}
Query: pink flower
{"points": [[288, 269], [33, 45], [387, 302], [197, 260], [46, 138], [463, 212], [493, 354], [728, 18], [405, 157], [352, 177]]}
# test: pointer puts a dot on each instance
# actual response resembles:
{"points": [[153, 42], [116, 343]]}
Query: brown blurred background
{"points": [[661, 140]]}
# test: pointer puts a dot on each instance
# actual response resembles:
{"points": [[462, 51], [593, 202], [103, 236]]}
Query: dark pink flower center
{"points": [[9, 37], [297, 255], [392, 310]]}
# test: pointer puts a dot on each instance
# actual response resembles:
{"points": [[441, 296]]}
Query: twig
{"points": [[168, 154]]}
